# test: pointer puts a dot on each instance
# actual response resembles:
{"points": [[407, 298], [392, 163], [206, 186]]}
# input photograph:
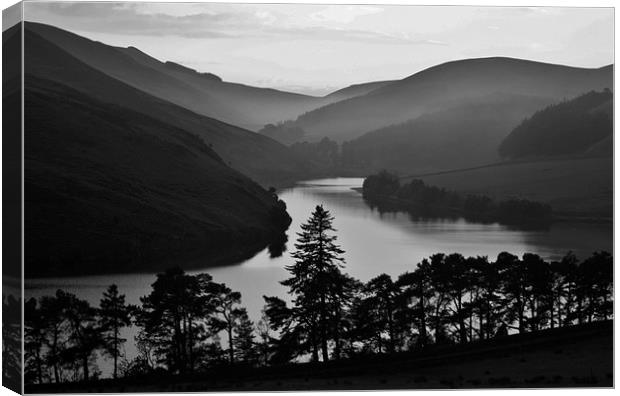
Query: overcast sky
{"points": [[317, 48]]}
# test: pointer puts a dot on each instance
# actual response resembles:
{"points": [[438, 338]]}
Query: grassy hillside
{"points": [[578, 356], [569, 127], [110, 189], [449, 85], [259, 157], [573, 186]]}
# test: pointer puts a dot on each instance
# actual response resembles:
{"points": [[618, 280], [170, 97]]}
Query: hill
{"points": [[356, 90], [446, 86], [569, 127], [205, 93], [109, 189], [462, 136], [259, 157]]}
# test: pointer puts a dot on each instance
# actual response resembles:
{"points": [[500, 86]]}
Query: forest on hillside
{"points": [[568, 127]]}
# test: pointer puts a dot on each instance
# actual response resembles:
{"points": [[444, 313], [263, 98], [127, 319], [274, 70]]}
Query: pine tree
{"points": [[315, 277], [228, 314], [114, 314], [245, 347]]}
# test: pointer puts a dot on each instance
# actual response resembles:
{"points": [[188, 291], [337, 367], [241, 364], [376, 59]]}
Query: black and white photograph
{"points": [[247, 197]]}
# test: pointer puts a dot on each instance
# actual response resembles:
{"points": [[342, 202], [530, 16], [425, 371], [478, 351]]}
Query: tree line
{"points": [[189, 323], [385, 191]]}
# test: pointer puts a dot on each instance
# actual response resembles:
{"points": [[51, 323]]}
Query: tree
{"points": [[245, 346], [264, 345], [114, 315], [440, 276], [35, 339], [55, 328], [416, 295], [539, 289], [11, 341], [175, 318], [315, 276], [84, 335], [382, 295], [228, 313], [514, 290]]}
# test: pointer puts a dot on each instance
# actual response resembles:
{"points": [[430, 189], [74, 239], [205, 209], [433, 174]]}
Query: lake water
{"points": [[375, 243]]}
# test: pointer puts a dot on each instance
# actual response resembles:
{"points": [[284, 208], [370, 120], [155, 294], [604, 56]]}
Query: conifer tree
{"points": [[114, 314], [315, 276]]}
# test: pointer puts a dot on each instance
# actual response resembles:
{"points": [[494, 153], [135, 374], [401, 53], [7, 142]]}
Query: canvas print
{"points": [[281, 197]]}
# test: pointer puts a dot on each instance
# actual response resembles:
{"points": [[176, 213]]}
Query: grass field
{"points": [[573, 187], [578, 356]]}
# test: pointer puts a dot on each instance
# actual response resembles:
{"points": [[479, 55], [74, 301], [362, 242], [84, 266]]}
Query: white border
{"points": [[530, 3]]}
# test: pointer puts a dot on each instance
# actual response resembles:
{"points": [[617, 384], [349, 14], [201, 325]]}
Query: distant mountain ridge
{"points": [[257, 156], [204, 93]]}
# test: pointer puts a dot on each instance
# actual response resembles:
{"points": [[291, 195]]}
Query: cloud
{"points": [[214, 21], [343, 14], [150, 19]]}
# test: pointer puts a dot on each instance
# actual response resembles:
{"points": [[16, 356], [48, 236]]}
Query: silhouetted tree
{"points": [[245, 346], [114, 315], [35, 338], [263, 347], [514, 290], [174, 317], [316, 271], [228, 314], [84, 334], [382, 295]]}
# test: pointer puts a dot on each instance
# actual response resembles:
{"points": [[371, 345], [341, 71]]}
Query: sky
{"points": [[315, 49]]}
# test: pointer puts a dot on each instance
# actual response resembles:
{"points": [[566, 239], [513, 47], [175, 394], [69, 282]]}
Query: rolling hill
{"points": [[109, 189], [259, 157], [238, 104], [356, 90], [446, 86], [567, 128]]}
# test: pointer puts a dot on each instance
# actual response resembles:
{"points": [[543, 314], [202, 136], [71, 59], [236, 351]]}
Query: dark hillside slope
{"points": [[568, 357], [566, 128], [204, 93], [109, 189], [449, 85], [463, 136], [259, 157]]}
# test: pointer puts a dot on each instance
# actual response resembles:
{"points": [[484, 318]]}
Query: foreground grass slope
{"points": [[109, 189], [577, 356]]}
